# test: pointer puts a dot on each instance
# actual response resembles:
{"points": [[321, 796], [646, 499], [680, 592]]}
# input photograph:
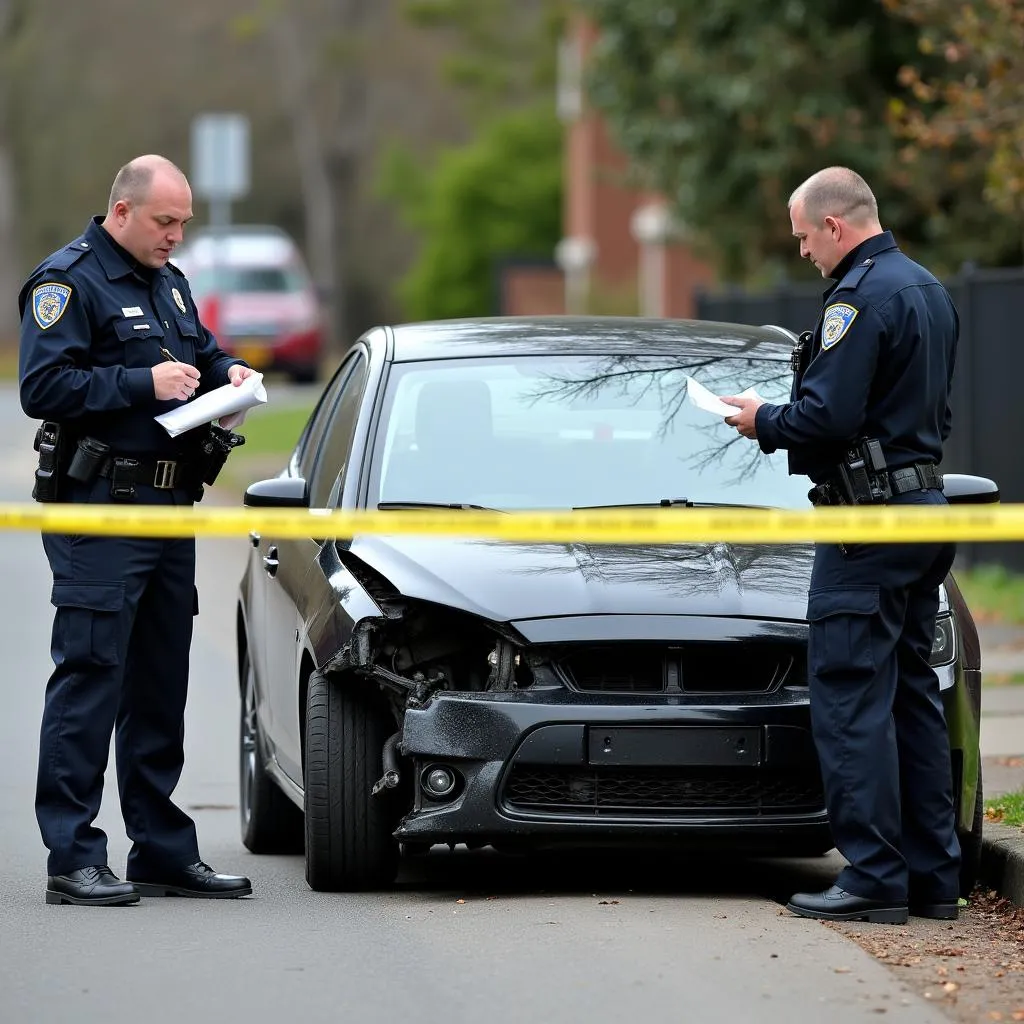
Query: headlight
{"points": [[944, 644]]}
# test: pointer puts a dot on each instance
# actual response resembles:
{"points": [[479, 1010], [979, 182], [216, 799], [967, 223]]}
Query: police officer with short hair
{"points": [[110, 338], [866, 422]]}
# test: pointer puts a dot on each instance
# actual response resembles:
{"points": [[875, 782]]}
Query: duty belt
{"points": [[919, 477], [163, 474]]}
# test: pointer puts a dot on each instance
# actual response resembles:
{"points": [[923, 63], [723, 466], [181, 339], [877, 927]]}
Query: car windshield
{"points": [[558, 432], [246, 280]]}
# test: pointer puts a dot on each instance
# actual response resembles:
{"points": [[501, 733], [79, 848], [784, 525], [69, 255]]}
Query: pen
{"points": [[167, 355]]}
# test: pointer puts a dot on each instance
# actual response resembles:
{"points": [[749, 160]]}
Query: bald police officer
{"points": [[866, 422], [110, 338]]}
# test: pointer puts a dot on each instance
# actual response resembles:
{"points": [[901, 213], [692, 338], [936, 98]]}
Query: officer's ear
{"points": [[121, 211], [834, 226]]}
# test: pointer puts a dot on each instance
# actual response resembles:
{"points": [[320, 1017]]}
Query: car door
{"points": [[262, 626], [288, 563]]}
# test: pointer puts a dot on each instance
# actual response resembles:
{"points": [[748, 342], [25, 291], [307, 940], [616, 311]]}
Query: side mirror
{"points": [[279, 492], [964, 489]]}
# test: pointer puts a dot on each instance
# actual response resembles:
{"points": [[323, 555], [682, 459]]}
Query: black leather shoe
{"points": [[938, 910], [198, 880], [837, 904], [95, 886]]}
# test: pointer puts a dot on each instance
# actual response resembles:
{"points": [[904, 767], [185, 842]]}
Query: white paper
{"points": [[709, 402], [229, 401]]}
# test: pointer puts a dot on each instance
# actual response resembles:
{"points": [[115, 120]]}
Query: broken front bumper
{"points": [[547, 767]]}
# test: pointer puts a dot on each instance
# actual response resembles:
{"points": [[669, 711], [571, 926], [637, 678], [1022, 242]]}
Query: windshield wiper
{"points": [[663, 503], [385, 505], [668, 503]]}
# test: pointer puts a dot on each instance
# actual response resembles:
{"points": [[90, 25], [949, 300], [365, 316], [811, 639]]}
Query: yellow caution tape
{"points": [[995, 522]]}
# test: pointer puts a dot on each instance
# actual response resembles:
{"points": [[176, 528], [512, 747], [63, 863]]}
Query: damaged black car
{"points": [[399, 692]]}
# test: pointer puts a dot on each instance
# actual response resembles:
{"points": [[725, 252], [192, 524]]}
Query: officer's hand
{"points": [[237, 373], [174, 380], [744, 421]]}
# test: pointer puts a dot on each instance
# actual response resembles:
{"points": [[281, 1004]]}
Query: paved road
{"points": [[464, 937]]}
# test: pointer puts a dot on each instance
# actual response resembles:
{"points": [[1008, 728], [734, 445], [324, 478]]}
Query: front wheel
{"points": [[271, 823], [349, 842]]}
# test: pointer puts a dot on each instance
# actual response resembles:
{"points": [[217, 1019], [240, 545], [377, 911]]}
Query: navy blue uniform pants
{"points": [[877, 715], [121, 636]]}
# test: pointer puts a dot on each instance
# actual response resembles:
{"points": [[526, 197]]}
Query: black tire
{"points": [[270, 822], [349, 842], [970, 844]]}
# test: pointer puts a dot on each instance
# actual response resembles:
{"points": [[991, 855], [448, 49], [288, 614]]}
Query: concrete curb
{"points": [[1002, 860]]}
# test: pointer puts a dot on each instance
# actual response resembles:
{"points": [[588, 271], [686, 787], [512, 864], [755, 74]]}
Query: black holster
{"points": [[860, 479], [50, 442], [214, 450], [88, 460]]}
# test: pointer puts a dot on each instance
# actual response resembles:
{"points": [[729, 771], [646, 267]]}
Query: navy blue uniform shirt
{"points": [[880, 366], [93, 321]]}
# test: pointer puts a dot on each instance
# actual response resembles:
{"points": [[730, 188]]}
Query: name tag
{"points": [[131, 310], [140, 327]]}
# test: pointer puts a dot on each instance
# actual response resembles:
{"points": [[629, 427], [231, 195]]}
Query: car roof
{"points": [[239, 249], [586, 335]]}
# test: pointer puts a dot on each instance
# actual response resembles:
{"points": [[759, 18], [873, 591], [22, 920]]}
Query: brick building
{"points": [[620, 251]]}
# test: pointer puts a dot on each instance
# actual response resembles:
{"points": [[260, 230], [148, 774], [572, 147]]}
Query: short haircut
{"points": [[836, 192], [133, 181]]}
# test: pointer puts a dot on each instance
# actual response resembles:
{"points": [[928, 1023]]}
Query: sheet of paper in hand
{"points": [[709, 402], [230, 401]]}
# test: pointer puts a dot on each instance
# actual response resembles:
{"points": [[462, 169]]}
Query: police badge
{"points": [[836, 322], [49, 302], [178, 300]]}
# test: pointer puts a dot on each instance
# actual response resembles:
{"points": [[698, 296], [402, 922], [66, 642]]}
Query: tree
{"points": [[498, 196], [504, 57], [978, 98], [310, 54], [726, 107]]}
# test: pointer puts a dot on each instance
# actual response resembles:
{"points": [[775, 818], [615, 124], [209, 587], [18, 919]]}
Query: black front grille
{"points": [[662, 791], [699, 667], [624, 668]]}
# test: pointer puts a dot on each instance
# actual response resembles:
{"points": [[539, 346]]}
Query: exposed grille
{"points": [[720, 667], [625, 791], [625, 668]]}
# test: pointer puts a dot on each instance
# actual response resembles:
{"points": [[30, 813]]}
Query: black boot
{"points": [[95, 886], [198, 880], [837, 904]]}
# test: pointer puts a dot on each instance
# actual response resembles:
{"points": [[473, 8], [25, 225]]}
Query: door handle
{"points": [[254, 538], [270, 562]]}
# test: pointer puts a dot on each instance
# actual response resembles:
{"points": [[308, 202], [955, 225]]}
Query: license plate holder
{"points": [[674, 746], [257, 355]]}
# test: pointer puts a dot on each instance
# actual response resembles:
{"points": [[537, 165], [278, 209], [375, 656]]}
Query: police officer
{"points": [[876, 369], [110, 338]]}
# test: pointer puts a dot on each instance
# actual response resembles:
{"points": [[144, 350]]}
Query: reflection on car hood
{"points": [[504, 581]]}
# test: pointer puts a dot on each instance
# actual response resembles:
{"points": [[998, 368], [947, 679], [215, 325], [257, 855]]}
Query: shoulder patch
{"points": [[49, 302], [836, 322]]}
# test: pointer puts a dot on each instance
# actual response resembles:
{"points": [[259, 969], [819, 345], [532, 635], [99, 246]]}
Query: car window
{"points": [[332, 457], [565, 431], [248, 280], [316, 426]]}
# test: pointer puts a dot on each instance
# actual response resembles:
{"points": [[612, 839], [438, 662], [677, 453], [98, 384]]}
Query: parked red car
{"points": [[255, 293]]}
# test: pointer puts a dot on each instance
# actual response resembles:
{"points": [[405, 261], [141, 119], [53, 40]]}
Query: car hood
{"points": [[504, 581]]}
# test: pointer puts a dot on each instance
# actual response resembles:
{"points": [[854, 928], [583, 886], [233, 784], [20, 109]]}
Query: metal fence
{"points": [[988, 385]]}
